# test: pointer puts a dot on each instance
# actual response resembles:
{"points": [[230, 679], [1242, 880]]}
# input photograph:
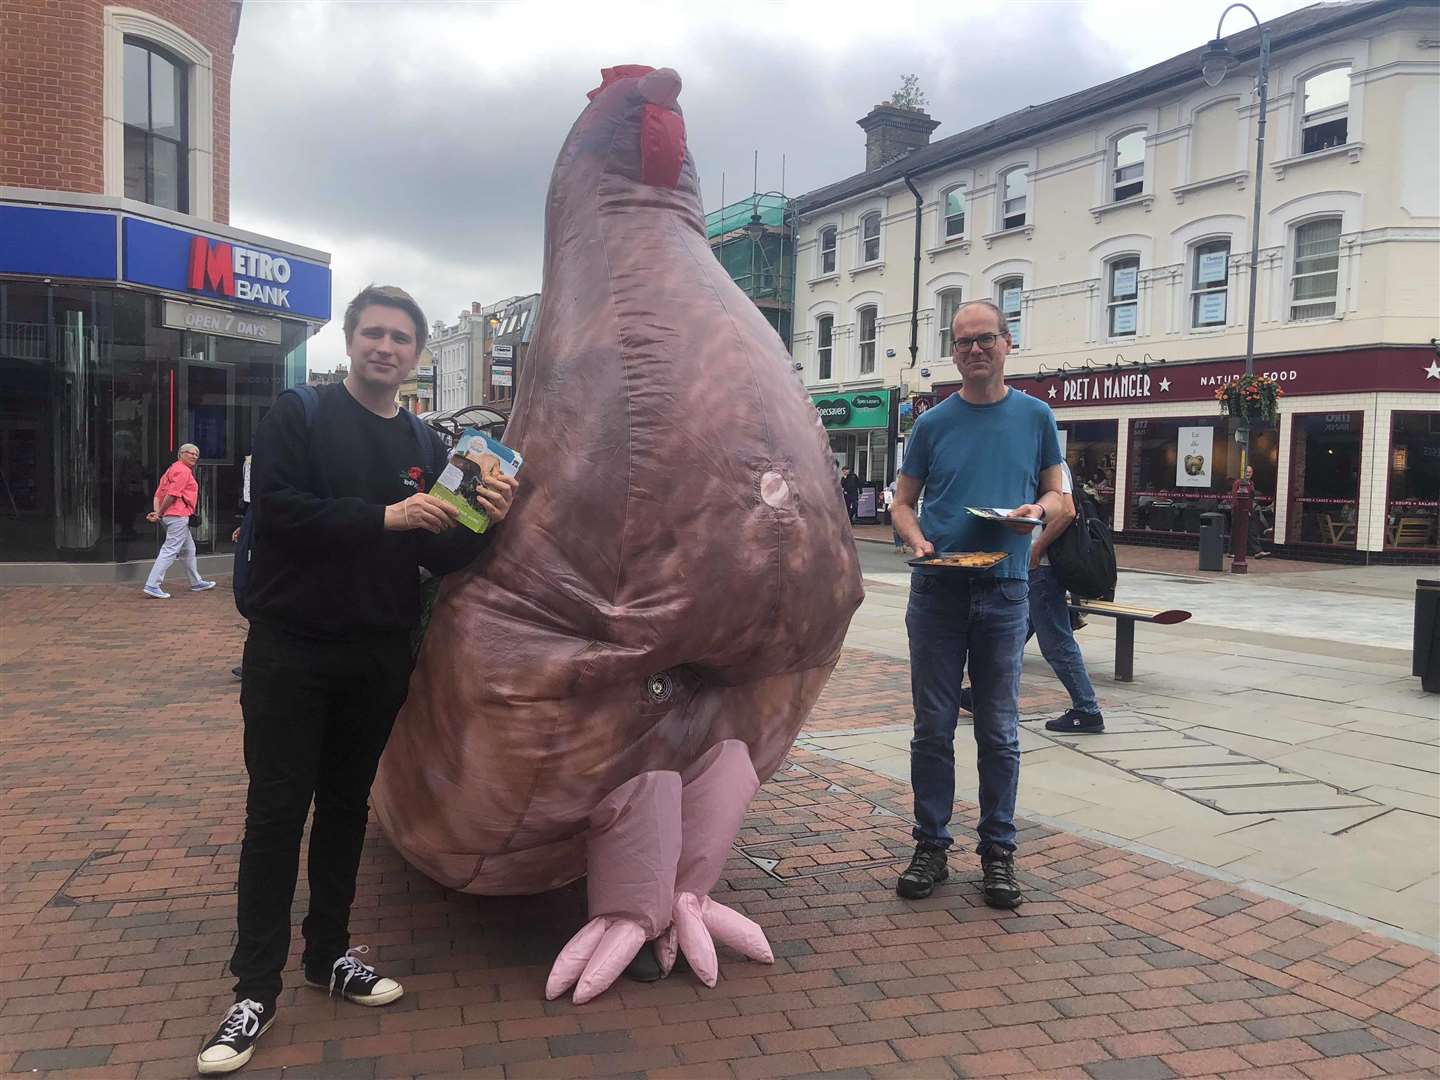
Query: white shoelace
{"points": [[349, 966], [242, 1019]]}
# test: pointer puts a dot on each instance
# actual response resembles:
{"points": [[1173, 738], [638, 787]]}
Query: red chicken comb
{"points": [[615, 74]]}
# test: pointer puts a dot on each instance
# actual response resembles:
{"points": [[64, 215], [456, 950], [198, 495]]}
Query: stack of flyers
{"points": [[1002, 516], [474, 460]]}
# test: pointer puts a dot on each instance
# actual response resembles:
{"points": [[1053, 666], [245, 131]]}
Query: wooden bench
{"points": [[1126, 616]]}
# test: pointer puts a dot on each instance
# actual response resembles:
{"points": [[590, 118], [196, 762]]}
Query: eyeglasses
{"points": [[985, 341]]}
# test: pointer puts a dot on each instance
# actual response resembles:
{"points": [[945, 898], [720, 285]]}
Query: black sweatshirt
{"points": [[323, 565]]}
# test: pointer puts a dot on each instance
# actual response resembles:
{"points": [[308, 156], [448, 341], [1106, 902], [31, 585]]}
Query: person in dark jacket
{"points": [[343, 525], [850, 485]]}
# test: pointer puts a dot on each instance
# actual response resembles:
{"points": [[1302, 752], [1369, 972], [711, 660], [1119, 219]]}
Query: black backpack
{"points": [[245, 546], [1084, 554]]}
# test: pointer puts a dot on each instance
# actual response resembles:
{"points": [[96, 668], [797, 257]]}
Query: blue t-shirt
{"points": [[981, 455]]}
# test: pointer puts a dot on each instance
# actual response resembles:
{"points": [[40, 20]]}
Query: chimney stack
{"points": [[892, 131]]}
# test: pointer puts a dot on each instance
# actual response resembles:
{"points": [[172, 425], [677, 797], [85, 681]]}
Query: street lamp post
{"points": [[1214, 66]]}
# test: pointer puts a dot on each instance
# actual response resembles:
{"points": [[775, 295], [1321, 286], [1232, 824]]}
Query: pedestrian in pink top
{"points": [[176, 499]]}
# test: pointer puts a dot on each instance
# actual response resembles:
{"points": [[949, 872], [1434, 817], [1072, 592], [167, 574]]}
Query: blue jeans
{"points": [[1050, 619], [952, 618]]}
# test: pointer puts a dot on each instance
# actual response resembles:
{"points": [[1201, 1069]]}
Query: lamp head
{"points": [[1216, 63], [755, 228]]}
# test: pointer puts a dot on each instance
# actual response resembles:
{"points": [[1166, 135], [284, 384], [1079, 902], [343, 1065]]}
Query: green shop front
{"points": [[861, 426]]}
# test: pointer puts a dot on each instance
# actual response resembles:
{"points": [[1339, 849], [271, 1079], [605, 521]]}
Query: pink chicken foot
{"points": [[657, 846]]}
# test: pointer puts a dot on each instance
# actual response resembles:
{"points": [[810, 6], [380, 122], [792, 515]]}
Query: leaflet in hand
{"points": [[474, 461], [1002, 516]]}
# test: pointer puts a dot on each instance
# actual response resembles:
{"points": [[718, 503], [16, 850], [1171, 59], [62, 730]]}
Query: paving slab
{"points": [[120, 973]]}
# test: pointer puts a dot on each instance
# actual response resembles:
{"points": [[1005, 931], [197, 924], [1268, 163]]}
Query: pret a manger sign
{"points": [[224, 269], [1124, 387]]}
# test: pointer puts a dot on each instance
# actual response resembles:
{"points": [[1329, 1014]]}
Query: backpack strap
{"points": [[310, 398]]}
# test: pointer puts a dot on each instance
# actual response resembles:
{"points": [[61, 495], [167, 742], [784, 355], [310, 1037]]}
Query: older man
{"points": [[987, 446], [176, 499]]}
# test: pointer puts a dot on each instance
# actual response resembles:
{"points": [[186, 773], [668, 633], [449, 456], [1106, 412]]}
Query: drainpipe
{"points": [[915, 285]]}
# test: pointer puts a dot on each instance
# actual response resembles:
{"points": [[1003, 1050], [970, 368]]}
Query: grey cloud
{"points": [[371, 133]]}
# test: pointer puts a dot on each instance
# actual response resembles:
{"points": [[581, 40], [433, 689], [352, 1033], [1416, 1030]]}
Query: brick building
{"points": [[133, 317]]}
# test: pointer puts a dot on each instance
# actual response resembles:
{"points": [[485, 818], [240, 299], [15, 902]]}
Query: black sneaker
{"points": [[967, 699], [238, 671], [354, 981], [1075, 722], [1000, 887], [926, 870], [234, 1040]]}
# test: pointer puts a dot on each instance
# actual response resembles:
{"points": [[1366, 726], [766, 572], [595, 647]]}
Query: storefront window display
{"points": [[1413, 500], [1325, 478], [1089, 447], [96, 396], [1180, 468]]}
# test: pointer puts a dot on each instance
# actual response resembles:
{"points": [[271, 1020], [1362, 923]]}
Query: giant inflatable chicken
{"points": [[602, 692]]}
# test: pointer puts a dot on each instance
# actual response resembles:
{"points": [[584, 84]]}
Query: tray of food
{"points": [[969, 561]]}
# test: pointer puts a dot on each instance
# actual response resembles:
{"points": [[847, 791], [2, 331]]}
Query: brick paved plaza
{"points": [[120, 816]]}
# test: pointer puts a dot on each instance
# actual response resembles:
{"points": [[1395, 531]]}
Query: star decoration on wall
{"points": [[1433, 371], [1051, 392], [1164, 386]]}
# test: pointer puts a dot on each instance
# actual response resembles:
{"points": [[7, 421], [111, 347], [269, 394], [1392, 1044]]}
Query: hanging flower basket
{"points": [[1251, 397]]}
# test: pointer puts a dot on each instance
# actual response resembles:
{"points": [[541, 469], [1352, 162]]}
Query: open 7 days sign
{"points": [[866, 409]]}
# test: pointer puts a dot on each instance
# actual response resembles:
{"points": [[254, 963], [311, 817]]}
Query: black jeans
{"points": [[317, 717]]}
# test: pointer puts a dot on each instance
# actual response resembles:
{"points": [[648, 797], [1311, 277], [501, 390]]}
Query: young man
{"points": [[987, 446], [342, 527]]}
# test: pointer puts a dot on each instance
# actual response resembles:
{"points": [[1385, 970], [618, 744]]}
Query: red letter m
{"points": [[211, 268]]}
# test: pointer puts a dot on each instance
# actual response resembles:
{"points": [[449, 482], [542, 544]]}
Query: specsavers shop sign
{"points": [[862, 409], [224, 270]]}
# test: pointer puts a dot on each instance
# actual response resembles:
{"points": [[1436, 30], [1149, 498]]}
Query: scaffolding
{"points": [[754, 239]]}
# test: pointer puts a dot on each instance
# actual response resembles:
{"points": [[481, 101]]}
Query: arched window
{"points": [[865, 338], [827, 250], [949, 303], [1315, 279], [954, 223], [1128, 170], [870, 237], [1007, 295], [1123, 306], [1325, 116], [1210, 283], [156, 130], [1013, 187], [825, 348]]}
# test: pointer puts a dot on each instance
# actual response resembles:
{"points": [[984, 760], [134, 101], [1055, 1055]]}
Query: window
{"points": [[1213, 149], [954, 213], [156, 139], [1315, 283], [1129, 174], [870, 237], [1007, 295], [1012, 210], [1209, 283], [824, 347], [949, 304], [1122, 306], [827, 250], [866, 318], [1325, 121]]}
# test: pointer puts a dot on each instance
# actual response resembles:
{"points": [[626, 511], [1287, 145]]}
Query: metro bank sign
{"points": [[231, 270], [246, 277]]}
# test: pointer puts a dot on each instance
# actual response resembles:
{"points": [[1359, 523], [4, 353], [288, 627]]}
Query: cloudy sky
{"points": [[414, 141]]}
